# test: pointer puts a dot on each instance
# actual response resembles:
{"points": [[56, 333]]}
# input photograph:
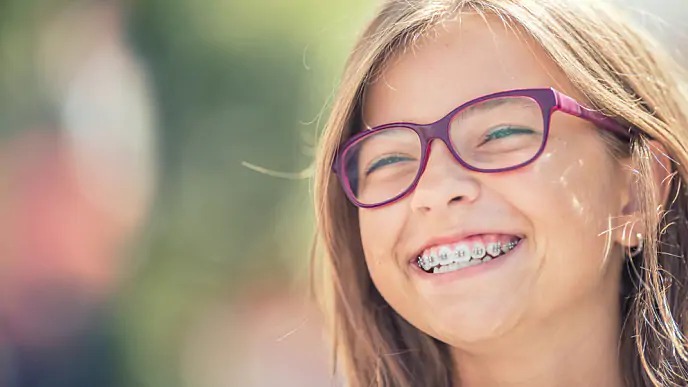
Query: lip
{"points": [[455, 238]]}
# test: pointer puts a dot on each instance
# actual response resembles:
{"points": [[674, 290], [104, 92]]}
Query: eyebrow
{"points": [[492, 103], [472, 109], [401, 134]]}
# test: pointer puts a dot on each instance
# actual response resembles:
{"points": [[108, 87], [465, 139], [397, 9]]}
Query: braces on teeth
{"points": [[447, 256]]}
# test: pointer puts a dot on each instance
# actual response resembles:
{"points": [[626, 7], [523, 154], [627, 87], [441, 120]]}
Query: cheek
{"points": [[380, 231], [570, 197], [579, 180], [579, 195]]}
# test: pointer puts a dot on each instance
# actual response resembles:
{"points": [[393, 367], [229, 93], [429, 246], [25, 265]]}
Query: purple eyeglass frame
{"points": [[549, 100]]}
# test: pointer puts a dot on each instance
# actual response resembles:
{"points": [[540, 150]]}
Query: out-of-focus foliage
{"points": [[231, 83], [235, 82], [22, 91]]}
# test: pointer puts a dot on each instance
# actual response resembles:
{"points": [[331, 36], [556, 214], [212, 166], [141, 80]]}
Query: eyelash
{"points": [[381, 162], [510, 129]]}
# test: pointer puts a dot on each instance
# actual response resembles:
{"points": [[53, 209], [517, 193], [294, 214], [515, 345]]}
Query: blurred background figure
{"points": [[77, 174], [155, 218]]}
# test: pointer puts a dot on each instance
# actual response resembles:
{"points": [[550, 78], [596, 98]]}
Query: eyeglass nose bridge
{"points": [[439, 130]]}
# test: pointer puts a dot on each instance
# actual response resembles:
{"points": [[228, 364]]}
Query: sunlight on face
{"points": [[561, 203]]}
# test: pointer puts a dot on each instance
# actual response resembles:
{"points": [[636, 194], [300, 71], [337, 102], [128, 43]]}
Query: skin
{"points": [[548, 316]]}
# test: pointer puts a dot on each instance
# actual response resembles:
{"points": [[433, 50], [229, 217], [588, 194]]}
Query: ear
{"points": [[630, 222]]}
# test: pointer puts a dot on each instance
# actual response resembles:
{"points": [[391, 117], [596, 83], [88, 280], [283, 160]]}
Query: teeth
{"points": [[447, 268], [462, 253], [431, 259], [445, 255], [425, 263], [456, 266], [461, 265], [478, 251], [446, 259], [508, 246], [422, 263], [494, 249]]}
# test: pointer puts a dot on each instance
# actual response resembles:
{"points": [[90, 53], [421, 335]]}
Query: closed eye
{"points": [[505, 131], [385, 161]]}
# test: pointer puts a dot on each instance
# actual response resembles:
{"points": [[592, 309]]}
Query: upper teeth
{"points": [[494, 249], [446, 255], [463, 253], [478, 251]]}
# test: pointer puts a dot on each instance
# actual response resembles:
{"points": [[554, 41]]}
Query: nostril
{"points": [[441, 188], [456, 199]]}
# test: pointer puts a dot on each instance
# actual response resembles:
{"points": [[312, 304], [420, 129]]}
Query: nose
{"points": [[444, 183]]}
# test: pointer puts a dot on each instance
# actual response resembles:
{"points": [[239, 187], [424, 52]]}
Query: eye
{"points": [[505, 131], [384, 161]]}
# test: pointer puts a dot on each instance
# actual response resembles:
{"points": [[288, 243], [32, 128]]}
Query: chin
{"points": [[461, 327]]}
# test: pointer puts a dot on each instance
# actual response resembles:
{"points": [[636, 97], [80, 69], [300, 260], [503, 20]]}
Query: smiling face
{"points": [[559, 206]]}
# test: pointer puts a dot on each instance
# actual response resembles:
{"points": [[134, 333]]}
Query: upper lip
{"points": [[454, 238]]}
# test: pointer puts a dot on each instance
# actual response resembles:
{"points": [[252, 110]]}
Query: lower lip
{"points": [[470, 271]]}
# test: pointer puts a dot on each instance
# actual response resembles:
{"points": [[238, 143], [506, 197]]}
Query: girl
{"points": [[500, 196]]}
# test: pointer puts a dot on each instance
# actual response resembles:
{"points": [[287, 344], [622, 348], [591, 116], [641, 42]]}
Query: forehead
{"points": [[453, 63]]}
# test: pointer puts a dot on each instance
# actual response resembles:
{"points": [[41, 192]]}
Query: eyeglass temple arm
{"points": [[571, 106]]}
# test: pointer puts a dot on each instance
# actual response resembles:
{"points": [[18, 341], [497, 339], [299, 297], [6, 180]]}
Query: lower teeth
{"points": [[456, 266]]}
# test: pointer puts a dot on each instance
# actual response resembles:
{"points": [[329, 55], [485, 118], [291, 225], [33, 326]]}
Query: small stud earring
{"points": [[635, 251]]}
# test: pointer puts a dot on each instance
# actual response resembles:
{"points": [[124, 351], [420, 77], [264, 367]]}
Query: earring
{"points": [[635, 251]]}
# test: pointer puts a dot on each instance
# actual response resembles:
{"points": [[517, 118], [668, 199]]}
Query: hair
{"points": [[622, 73]]}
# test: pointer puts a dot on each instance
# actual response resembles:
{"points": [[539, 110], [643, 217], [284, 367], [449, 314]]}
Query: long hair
{"points": [[621, 73]]}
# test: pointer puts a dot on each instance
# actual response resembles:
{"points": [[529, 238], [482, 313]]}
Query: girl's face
{"points": [[561, 207]]}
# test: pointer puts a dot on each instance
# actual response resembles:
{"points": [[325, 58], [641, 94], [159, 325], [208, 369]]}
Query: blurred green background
{"points": [[235, 82], [140, 245], [215, 248]]}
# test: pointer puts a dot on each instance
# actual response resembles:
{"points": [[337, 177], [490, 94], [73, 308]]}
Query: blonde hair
{"points": [[624, 75]]}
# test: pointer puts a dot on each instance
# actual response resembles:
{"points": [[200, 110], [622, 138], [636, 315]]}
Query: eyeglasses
{"points": [[494, 133]]}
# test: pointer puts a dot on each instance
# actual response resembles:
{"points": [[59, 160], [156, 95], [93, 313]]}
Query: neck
{"points": [[577, 348]]}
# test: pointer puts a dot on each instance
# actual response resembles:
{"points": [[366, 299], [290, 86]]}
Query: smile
{"points": [[450, 257]]}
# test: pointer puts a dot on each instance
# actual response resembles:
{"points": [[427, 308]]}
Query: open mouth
{"points": [[452, 257]]}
